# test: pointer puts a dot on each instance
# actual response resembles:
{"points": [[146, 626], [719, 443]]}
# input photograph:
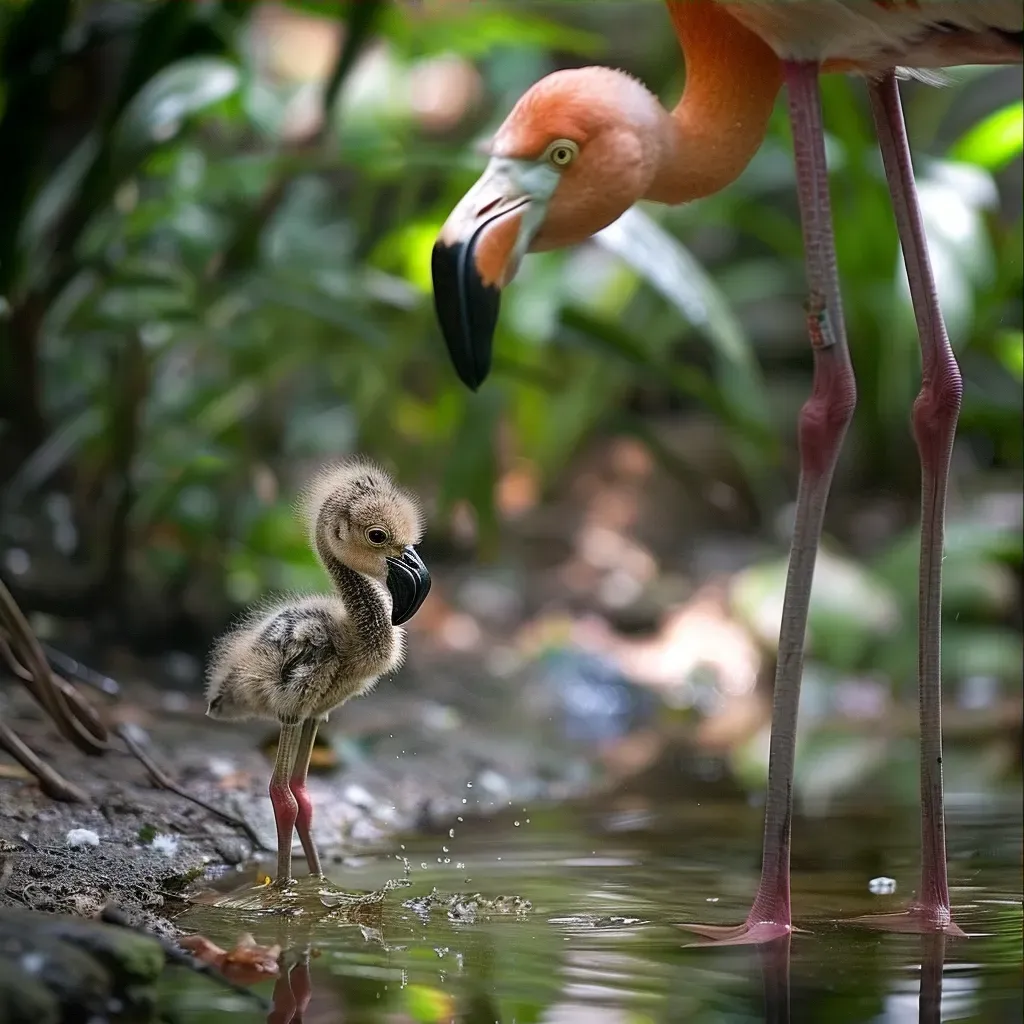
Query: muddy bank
{"points": [[432, 745]]}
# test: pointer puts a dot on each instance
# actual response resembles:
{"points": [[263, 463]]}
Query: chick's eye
{"points": [[377, 535], [562, 152]]}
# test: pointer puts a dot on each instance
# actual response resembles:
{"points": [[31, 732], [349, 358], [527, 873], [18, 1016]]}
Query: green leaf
{"points": [[1010, 347], [61, 187], [475, 30], [973, 651], [427, 1005], [994, 141], [472, 467], [668, 267], [971, 548], [158, 111], [850, 607]]}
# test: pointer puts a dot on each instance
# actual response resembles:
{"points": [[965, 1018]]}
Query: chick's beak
{"points": [[409, 583], [477, 253]]}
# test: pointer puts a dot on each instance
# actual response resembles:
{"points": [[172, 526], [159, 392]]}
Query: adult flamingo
{"points": [[582, 145]]}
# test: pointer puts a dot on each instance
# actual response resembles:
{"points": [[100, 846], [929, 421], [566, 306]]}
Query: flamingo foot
{"points": [[915, 920], [750, 933]]}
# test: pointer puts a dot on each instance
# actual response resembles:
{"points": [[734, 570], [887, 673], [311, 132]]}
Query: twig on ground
{"points": [[53, 785], [74, 669], [162, 779], [81, 727]]}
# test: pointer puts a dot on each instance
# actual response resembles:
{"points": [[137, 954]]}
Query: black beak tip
{"points": [[467, 310]]}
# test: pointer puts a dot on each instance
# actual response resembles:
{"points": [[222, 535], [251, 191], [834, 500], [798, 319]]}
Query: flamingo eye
{"points": [[561, 153], [377, 536]]}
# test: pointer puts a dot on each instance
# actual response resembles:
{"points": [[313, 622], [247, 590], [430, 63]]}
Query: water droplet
{"points": [[451, 832], [459, 818], [469, 785], [516, 823], [444, 849]]}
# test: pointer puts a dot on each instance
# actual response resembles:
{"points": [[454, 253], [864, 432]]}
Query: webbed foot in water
{"points": [[750, 933], [915, 920]]}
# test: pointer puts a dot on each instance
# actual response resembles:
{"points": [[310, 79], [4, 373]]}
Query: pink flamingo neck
{"points": [[721, 119]]}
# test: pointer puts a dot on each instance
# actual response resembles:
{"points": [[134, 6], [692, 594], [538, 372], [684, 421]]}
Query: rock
{"points": [[25, 1000], [55, 968], [77, 983]]}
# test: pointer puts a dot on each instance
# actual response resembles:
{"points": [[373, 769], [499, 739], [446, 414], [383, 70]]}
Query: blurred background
{"points": [[215, 229]]}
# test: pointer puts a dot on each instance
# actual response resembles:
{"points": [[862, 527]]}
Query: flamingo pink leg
{"points": [[824, 420], [934, 424], [297, 784]]}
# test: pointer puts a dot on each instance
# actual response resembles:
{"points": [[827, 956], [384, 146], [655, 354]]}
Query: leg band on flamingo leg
{"points": [[824, 420], [934, 425]]}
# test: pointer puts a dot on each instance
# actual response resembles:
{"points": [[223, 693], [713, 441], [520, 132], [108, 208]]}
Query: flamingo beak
{"points": [[478, 252], [409, 583]]}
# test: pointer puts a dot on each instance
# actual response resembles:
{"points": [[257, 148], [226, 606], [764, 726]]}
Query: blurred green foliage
{"points": [[200, 296]]}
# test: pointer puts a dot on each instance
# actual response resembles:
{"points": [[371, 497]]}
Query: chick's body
{"points": [[299, 658]]}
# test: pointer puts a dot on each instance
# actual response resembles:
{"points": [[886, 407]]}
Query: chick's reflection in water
{"points": [[297, 660], [292, 993]]}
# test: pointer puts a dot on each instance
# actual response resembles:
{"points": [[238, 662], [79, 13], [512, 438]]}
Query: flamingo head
{"points": [[577, 150]]}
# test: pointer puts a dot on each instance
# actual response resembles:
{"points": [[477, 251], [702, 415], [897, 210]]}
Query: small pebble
{"points": [[882, 886], [165, 844], [82, 837]]}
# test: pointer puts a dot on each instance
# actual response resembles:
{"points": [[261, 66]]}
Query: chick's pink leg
{"points": [[297, 784], [282, 799]]}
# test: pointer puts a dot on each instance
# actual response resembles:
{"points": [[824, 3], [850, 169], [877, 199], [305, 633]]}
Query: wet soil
{"points": [[395, 761]]}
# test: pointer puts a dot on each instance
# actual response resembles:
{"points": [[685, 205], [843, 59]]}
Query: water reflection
{"points": [[293, 990], [933, 958], [774, 958], [594, 939]]}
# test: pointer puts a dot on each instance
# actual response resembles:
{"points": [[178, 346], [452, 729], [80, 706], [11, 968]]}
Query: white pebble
{"points": [[82, 837], [167, 845], [882, 886]]}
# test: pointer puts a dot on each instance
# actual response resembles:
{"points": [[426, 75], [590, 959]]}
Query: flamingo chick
{"points": [[583, 145], [299, 659]]}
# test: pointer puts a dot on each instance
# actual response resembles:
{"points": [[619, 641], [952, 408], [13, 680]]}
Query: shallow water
{"points": [[599, 942]]}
